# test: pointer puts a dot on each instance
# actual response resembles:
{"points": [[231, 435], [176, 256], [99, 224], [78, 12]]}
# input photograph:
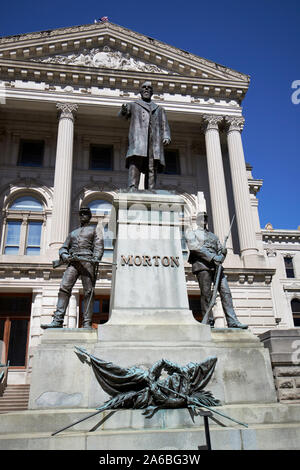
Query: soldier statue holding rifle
{"points": [[82, 251], [206, 256]]}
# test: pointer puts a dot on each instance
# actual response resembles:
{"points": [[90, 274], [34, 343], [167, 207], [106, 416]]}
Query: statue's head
{"points": [[201, 219], [146, 91], [85, 215]]}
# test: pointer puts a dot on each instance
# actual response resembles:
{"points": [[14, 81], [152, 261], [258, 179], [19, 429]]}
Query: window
{"points": [[101, 157], [295, 304], [289, 267], [31, 153], [100, 311], [101, 210], [172, 162], [23, 227]]}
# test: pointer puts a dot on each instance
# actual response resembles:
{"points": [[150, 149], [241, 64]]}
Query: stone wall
{"points": [[284, 347]]}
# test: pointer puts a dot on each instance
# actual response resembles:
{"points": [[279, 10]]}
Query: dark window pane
{"points": [[2, 321], [18, 305], [289, 267], [172, 162], [105, 305], [17, 342], [31, 153], [101, 157], [195, 307]]}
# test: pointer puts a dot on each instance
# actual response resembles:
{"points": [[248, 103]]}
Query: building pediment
{"points": [[105, 54]]}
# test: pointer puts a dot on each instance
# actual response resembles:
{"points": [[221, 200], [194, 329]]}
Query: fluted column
{"points": [[63, 175], [216, 178], [246, 230]]}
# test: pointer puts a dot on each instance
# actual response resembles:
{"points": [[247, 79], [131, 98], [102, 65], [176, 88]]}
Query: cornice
{"points": [[54, 74], [281, 236]]}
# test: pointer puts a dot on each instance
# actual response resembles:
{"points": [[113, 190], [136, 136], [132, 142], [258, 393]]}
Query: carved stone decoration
{"points": [[105, 58], [211, 121], [67, 110], [234, 123]]}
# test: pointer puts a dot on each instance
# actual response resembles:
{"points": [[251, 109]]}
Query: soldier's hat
{"points": [[85, 210]]}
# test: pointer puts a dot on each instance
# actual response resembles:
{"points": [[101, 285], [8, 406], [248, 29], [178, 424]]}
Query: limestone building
{"points": [[62, 145]]}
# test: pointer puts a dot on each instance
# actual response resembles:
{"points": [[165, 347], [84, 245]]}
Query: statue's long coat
{"points": [[148, 128]]}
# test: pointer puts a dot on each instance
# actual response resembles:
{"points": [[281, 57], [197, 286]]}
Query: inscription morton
{"points": [[145, 260]]}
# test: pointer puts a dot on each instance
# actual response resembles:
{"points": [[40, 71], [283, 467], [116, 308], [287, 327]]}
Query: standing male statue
{"points": [[82, 251], [206, 256], [148, 133]]}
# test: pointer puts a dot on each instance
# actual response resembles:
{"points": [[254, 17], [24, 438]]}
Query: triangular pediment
{"points": [[139, 51]]}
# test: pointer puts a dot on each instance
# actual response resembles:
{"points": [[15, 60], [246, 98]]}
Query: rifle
{"points": [[58, 262], [200, 405], [217, 281]]}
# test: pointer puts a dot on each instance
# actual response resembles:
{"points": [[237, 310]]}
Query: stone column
{"points": [[246, 230], [218, 195], [63, 175]]}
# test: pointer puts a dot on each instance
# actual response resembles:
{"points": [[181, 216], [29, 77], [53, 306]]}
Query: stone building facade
{"points": [[62, 146]]}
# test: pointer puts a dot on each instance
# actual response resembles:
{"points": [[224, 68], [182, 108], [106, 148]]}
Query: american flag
{"points": [[104, 18]]}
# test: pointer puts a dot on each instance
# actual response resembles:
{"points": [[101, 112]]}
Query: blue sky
{"points": [[259, 38]]}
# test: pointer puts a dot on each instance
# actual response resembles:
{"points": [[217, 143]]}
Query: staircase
{"points": [[14, 398]]}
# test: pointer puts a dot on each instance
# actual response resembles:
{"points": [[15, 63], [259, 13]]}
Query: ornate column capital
{"points": [[211, 121], [67, 110], [234, 123]]}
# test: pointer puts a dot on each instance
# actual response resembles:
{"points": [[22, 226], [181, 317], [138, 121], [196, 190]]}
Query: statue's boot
{"points": [[231, 318], [59, 314]]}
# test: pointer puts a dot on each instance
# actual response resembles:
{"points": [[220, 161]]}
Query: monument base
{"points": [[243, 372], [270, 427]]}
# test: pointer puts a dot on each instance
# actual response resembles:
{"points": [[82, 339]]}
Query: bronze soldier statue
{"points": [[148, 133], [206, 256], [82, 251]]}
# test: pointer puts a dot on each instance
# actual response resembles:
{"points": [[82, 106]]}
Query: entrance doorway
{"points": [[15, 313]]}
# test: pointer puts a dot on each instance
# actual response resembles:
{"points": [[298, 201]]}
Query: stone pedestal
{"points": [[149, 320]]}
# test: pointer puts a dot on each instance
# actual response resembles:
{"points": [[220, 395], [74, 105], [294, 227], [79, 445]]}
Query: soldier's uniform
{"points": [[83, 242], [204, 247]]}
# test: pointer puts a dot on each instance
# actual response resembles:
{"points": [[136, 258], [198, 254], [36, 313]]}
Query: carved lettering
{"points": [[138, 260], [128, 261], [174, 261], [146, 260], [156, 258], [165, 261]]}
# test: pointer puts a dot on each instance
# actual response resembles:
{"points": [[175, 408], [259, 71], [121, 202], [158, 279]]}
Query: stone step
{"points": [[14, 398], [257, 437]]}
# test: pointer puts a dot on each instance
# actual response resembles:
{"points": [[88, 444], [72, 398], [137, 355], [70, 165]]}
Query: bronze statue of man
{"points": [[148, 133], [82, 251], [207, 255]]}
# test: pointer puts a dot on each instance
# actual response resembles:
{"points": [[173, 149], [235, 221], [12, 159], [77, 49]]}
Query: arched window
{"points": [[295, 304], [101, 211], [23, 228]]}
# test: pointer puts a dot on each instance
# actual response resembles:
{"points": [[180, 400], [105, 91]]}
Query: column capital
{"points": [[234, 123], [211, 121], [67, 110]]}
